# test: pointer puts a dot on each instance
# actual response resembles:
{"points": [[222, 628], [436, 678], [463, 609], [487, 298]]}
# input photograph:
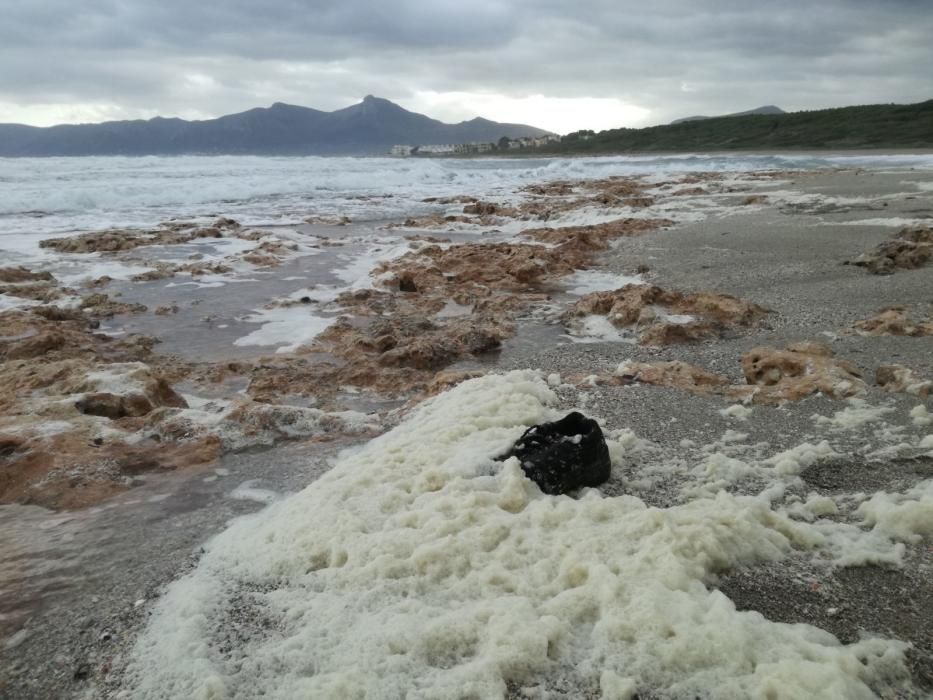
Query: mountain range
{"points": [[371, 127], [766, 109]]}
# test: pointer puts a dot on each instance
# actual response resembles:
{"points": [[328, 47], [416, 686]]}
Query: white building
{"points": [[545, 140], [402, 150], [437, 148]]}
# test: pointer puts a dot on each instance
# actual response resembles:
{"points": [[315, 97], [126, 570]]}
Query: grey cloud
{"points": [[310, 28], [729, 54]]}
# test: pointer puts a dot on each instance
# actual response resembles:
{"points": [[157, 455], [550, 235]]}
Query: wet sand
{"points": [[790, 262]]}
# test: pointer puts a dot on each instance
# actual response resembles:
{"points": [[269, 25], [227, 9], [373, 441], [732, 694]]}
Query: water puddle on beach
{"points": [[239, 315], [207, 315]]}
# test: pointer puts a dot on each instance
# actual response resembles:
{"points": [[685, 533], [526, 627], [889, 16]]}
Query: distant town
{"points": [[449, 149]]}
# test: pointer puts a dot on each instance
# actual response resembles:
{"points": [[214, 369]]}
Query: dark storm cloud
{"points": [[673, 57], [317, 29]]}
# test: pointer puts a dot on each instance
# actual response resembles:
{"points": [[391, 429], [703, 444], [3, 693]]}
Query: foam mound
{"points": [[419, 567]]}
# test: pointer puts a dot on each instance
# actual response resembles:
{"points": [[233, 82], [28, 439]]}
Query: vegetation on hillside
{"points": [[871, 126]]}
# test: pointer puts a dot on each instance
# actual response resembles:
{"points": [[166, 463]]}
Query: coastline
{"points": [[786, 257], [545, 153]]}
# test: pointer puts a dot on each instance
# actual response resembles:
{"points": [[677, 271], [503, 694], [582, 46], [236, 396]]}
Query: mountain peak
{"points": [[373, 101], [372, 126], [370, 104]]}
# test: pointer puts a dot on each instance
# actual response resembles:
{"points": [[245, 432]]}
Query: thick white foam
{"points": [[420, 568], [907, 516]]}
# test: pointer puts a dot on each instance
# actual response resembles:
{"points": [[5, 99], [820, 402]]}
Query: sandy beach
{"points": [[753, 354]]}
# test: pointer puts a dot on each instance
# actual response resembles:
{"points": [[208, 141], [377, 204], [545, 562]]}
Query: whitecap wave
{"points": [[59, 195]]}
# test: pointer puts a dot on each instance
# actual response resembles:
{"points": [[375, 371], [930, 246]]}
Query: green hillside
{"points": [[870, 126]]}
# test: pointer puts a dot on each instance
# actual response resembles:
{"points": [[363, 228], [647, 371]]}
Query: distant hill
{"points": [[371, 127], [767, 109], [869, 126]]}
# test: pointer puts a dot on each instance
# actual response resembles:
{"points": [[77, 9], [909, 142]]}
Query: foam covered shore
{"points": [[418, 567], [765, 531]]}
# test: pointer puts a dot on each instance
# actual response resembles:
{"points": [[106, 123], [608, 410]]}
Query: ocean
{"points": [[58, 196]]}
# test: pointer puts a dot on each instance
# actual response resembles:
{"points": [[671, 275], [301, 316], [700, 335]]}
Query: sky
{"points": [[559, 65]]}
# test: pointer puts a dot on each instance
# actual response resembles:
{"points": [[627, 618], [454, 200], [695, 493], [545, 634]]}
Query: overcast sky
{"points": [[556, 64]]}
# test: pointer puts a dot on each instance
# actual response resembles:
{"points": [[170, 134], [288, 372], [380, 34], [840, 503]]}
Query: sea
{"points": [[42, 197]]}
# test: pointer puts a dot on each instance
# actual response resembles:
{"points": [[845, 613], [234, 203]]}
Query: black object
{"points": [[565, 455]]}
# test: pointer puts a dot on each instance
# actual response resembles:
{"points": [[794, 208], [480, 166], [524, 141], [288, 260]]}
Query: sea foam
{"points": [[420, 568]]}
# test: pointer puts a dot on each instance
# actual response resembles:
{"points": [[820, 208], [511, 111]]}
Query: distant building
{"points": [[545, 140], [442, 149], [403, 150]]}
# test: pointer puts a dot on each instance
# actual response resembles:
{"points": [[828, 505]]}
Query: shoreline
{"points": [[776, 245], [904, 151]]}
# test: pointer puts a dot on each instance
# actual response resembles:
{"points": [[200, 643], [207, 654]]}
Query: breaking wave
{"points": [[46, 195]]}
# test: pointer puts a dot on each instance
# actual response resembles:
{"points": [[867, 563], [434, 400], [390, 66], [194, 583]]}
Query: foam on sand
{"points": [[907, 516], [289, 327], [892, 221], [421, 568], [857, 414], [920, 415], [737, 411], [584, 282], [596, 329]]}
